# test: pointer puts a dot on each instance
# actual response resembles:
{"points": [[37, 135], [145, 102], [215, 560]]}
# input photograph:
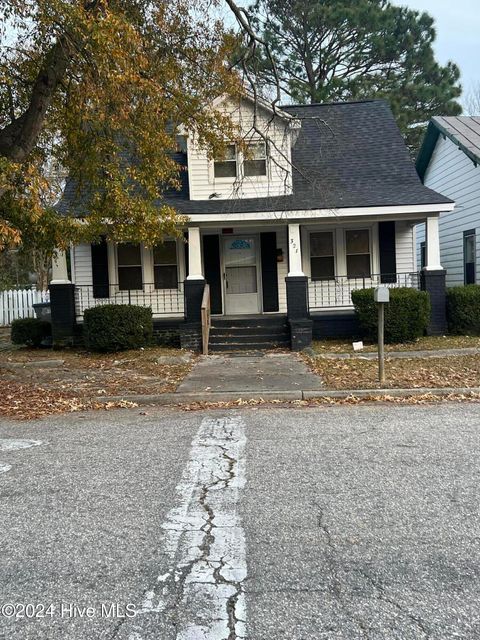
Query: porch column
{"points": [[191, 332], [62, 302], [432, 245], [297, 293], [432, 278], [59, 268]]}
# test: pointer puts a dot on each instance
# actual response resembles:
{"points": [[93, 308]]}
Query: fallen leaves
{"points": [[27, 401], [406, 373]]}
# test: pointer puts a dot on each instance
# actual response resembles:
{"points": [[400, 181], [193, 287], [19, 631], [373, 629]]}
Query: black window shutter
{"points": [[211, 262], [388, 255], [100, 278], [185, 237], [268, 244]]}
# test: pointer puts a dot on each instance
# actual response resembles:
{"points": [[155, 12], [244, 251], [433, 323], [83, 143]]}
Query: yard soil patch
{"points": [[34, 391], [407, 373]]}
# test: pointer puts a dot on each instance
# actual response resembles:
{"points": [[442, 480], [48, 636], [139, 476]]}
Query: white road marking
{"points": [[11, 444], [202, 578], [5, 467]]}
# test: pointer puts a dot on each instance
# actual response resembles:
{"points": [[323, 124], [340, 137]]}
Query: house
{"points": [[324, 202], [448, 162]]}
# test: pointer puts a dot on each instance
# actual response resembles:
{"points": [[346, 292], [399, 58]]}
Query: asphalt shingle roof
{"points": [[346, 155]]}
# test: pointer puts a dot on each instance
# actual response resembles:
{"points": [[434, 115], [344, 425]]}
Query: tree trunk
{"points": [[18, 138]]}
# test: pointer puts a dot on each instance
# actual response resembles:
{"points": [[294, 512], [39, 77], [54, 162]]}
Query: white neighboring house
{"points": [[325, 202], [448, 163]]}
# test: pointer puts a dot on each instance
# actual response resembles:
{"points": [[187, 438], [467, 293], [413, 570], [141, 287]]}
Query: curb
{"points": [[285, 396]]}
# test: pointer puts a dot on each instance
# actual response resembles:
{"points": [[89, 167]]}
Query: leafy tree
{"points": [[100, 88], [336, 50]]}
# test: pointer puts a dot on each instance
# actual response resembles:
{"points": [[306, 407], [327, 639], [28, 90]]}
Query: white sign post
{"points": [[381, 295]]}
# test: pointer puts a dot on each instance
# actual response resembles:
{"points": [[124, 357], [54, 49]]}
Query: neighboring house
{"points": [[448, 162], [325, 202]]}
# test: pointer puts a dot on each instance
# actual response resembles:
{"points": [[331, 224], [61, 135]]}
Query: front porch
{"points": [[301, 272]]}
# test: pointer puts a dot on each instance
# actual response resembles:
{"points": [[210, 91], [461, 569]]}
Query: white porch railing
{"points": [[337, 292], [18, 303], [163, 302]]}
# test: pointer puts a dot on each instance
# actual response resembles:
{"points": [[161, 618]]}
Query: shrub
{"points": [[116, 327], [463, 309], [406, 315], [30, 331]]}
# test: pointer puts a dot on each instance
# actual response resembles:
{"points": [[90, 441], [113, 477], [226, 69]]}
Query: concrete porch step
{"points": [[248, 346]]}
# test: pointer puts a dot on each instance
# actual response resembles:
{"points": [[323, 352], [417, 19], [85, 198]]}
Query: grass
{"points": [[34, 391], [405, 373], [427, 343]]}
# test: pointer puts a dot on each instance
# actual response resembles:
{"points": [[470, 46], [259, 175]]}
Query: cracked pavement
{"points": [[338, 522]]}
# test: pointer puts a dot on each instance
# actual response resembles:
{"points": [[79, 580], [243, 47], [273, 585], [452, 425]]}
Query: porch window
{"points": [[226, 167], [469, 261], [422, 255], [358, 253], [129, 259], [255, 163], [322, 257], [165, 270]]}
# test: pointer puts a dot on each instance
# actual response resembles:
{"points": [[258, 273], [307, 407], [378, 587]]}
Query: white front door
{"points": [[241, 274]]}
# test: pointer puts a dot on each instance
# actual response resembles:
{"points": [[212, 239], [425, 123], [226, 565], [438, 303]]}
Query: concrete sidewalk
{"points": [[245, 373]]}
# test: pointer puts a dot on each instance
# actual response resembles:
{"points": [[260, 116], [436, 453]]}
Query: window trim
{"points": [[141, 265], [334, 255], [177, 265], [468, 234], [370, 252]]}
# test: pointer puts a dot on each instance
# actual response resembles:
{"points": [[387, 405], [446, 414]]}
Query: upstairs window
{"points": [[358, 253], [165, 270], [322, 257], [255, 162], [226, 167], [129, 258]]}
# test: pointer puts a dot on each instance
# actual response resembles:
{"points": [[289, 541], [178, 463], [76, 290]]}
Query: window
{"points": [[358, 253], [226, 167], [129, 260], [322, 260], [255, 163], [165, 265], [469, 261], [422, 255]]}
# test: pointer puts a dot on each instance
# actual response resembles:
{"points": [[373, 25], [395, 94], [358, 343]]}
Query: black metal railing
{"points": [[337, 292], [163, 302]]}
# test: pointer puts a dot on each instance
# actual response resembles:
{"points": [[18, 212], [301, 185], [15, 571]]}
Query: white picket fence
{"points": [[18, 303]]}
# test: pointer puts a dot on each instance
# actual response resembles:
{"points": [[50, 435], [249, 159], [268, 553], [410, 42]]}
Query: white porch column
{"points": [[432, 244], [59, 268], [294, 251], [194, 254]]}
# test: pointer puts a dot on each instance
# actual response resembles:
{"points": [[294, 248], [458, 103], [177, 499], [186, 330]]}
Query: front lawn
{"points": [[427, 343], [405, 373], [31, 391]]}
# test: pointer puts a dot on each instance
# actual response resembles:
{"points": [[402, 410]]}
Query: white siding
{"points": [[82, 265], [453, 174], [404, 246], [201, 177]]}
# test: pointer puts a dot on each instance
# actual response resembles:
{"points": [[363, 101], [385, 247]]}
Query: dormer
{"points": [[264, 170]]}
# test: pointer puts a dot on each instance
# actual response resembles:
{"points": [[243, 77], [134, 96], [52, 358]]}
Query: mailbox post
{"points": [[381, 295]]}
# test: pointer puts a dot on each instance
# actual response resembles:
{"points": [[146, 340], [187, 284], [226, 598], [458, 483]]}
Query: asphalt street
{"points": [[338, 522]]}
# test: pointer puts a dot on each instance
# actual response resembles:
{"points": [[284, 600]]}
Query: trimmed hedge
{"points": [[406, 315], [463, 309], [30, 331], [115, 327]]}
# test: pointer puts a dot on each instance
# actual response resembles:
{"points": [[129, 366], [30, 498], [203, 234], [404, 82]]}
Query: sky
{"points": [[458, 34]]}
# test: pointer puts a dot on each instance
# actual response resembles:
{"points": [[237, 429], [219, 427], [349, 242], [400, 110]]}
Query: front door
{"points": [[241, 274]]}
